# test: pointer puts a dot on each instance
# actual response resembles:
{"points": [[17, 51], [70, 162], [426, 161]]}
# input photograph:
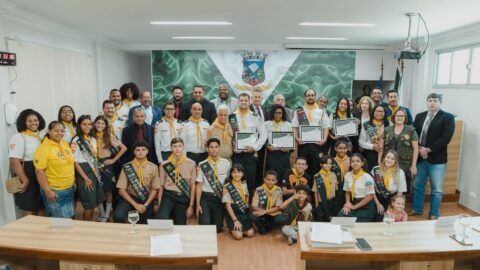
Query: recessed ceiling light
{"points": [[316, 38], [203, 38], [337, 24], [189, 23]]}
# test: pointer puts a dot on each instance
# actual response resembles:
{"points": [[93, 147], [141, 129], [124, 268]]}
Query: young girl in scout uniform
{"points": [[177, 181], [211, 175], [340, 166], [22, 147], [88, 178], [389, 181], [266, 203], [324, 186], [360, 191], [55, 172], [109, 151], [235, 198], [137, 185]]}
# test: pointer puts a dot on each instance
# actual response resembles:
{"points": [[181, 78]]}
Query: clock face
{"points": [[8, 59]]}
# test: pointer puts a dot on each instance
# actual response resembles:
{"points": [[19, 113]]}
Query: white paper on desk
{"points": [[169, 244], [326, 233]]}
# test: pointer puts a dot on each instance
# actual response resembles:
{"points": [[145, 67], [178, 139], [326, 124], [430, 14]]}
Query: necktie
{"points": [[177, 111], [140, 134], [423, 136], [259, 112]]}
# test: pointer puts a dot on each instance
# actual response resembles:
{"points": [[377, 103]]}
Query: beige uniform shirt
{"points": [[188, 171], [151, 180]]}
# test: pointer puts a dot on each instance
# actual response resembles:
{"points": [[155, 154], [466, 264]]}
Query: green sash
{"points": [[322, 193], [380, 187], [213, 180], [132, 177], [302, 117], [336, 170], [236, 197], [182, 183], [262, 198], [92, 162]]}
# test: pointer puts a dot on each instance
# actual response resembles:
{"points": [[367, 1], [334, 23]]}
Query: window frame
{"points": [[452, 50]]}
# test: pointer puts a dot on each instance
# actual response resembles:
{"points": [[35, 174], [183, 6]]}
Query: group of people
{"points": [[182, 160]]}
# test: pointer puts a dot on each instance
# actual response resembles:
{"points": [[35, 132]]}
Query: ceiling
{"points": [[254, 23]]}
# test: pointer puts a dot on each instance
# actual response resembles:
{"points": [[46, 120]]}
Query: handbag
{"points": [[13, 183]]}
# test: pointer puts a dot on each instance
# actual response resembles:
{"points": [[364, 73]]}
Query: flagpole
{"points": [[381, 75]]}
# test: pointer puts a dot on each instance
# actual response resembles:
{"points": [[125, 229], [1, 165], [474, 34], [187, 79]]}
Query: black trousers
{"points": [[212, 211], [120, 214], [372, 158], [175, 204], [279, 162], [249, 162], [197, 157], [266, 222], [311, 151], [260, 167]]}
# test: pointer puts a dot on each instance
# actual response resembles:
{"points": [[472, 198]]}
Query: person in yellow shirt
{"points": [[54, 167]]}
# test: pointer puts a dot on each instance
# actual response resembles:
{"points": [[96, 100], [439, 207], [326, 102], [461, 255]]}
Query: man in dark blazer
{"points": [[435, 129], [180, 106], [209, 112], [136, 131], [392, 106], [256, 106], [153, 114]]}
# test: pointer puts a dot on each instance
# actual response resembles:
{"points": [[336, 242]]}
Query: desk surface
{"points": [[413, 240], [33, 236]]}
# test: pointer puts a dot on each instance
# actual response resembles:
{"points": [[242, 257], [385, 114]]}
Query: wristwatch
{"points": [[146, 204]]}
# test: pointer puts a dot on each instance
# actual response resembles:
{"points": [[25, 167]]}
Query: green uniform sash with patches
{"points": [[92, 162], [132, 177], [181, 183], [212, 179], [322, 193], [236, 197]]}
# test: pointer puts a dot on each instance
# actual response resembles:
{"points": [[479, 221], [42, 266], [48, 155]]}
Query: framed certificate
{"points": [[311, 134], [244, 139], [283, 139], [345, 127]]}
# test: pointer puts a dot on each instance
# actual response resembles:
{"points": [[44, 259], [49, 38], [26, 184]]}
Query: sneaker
{"points": [[104, 219], [289, 241], [413, 213], [99, 219]]}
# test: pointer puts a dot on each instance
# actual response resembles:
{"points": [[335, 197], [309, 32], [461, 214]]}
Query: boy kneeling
{"points": [[297, 209]]}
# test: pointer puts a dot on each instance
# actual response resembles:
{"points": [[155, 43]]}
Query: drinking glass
{"points": [[388, 220], [133, 218]]}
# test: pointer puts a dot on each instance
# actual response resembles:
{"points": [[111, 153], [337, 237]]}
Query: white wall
{"points": [[460, 102], [111, 68]]}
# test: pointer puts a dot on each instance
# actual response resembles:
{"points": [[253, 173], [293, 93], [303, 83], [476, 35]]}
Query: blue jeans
{"points": [[436, 174], [62, 207]]}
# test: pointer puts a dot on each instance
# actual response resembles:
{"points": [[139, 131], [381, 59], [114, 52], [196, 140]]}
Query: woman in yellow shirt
{"points": [[55, 172]]}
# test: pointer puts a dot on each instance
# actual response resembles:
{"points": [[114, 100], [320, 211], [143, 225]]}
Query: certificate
{"points": [[345, 127], [282, 139], [244, 139], [311, 134]]}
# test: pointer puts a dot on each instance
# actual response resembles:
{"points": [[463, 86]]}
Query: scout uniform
{"points": [[296, 213], [22, 146], [236, 193], [387, 185], [85, 154], [310, 115], [249, 122], [56, 159], [293, 178], [116, 125], [212, 174], [138, 179], [340, 166], [194, 137], [325, 186], [360, 186], [267, 199], [165, 131], [222, 132], [177, 178], [70, 132]]}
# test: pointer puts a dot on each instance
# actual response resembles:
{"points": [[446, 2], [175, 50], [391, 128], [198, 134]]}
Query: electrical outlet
{"points": [[473, 194]]}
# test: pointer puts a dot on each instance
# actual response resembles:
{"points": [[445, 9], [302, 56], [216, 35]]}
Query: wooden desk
{"points": [[108, 245], [414, 245]]}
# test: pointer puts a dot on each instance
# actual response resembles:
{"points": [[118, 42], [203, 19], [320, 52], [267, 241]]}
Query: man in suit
{"points": [[137, 131], [153, 114], [279, 99], [180, 111], [256, 106], [209, 112], [377, 96], [435, 128], [224, 98]]}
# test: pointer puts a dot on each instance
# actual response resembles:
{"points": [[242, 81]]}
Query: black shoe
{"points": [[262, 231]]}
